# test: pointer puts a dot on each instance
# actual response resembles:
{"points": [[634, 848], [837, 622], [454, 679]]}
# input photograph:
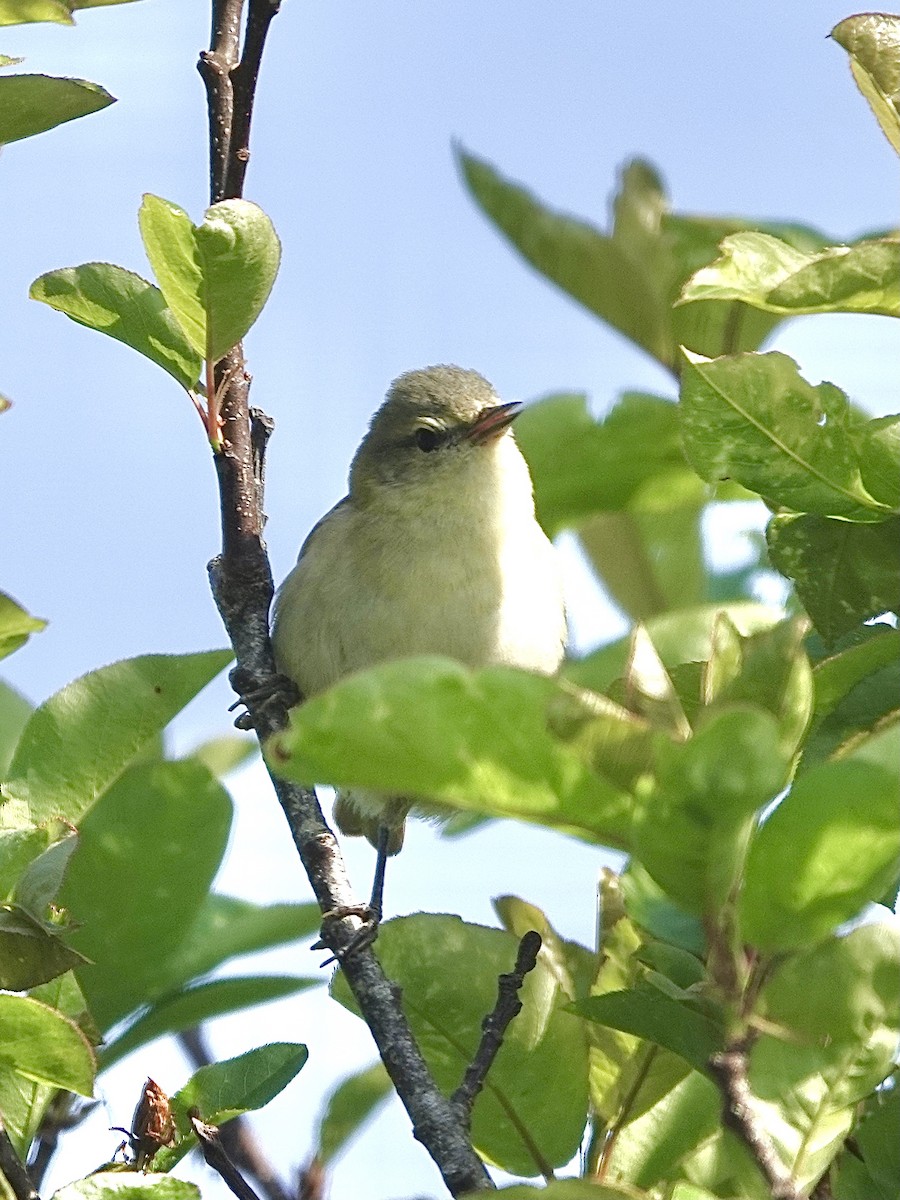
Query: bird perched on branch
{"points": [[435, 550]]}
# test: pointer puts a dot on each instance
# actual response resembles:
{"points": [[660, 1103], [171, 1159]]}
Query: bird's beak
{"points": [[492, 422]]}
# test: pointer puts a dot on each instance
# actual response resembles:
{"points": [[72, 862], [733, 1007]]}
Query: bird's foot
{"points": [[256, 694], [363, 937]]}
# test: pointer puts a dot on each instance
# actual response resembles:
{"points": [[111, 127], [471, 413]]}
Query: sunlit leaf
{"points": [[873, 42], [125, 307], [31, 104], [16, 625]]}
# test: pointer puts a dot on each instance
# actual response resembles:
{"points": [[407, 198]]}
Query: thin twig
{"points": [[237, 1137], [13, 1169], [214, 1153], [244, 78], [241, 582], [729, 1068], [495, 1025]]}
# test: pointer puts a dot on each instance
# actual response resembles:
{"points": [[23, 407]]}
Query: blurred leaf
{"points": [[135, 906], [830, 847], [838, 674], [648, 1013], [15, 625], [448, 973], [19, 847], [649, 1148], [227, 1089], [477, 740], [650, 908], [30, 952], [679, 637], [807, 1096], [41, 879], [64, 994], [632, 277], [204, 1002], [695, 820], [862, 969], [573, 966], [41, 1050], [225, 926], [561, 1189], [31, 104], [61, 767], [581, 466], [767, 273], [125, 307], [128, 1185], [215, 276], [14, 713], [873, 42], [753, 418], [877, 1140], [222, 755], [349, 1107], [844, 573]]}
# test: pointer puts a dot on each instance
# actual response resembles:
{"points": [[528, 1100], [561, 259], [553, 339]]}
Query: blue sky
{"points": [[108, 491]]}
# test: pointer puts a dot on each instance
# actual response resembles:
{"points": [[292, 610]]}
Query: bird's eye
{"points": [[427, 439]]}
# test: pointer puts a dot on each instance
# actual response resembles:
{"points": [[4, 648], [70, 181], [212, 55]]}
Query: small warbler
{"points": [[435, 550]]}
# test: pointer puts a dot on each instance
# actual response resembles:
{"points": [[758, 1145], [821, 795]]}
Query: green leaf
{"points": [[227, 1089], [877, 1140], [189, 1008], [837, 675], [448, 973], [646, 1012], [125, 307], [694, 822], [225, 926], [41, 1050], [134, 906], [831, 846], [861, 967], [30, 952], [16, 625], [632, 277], [573, 965], [41, 879], [844, 573], [21, 12], [31, 104], [128, 1185], [216, 276], [561, 1189], [679, 637], [769, 274], [873, 42], [651, 909], [753, 418], [807, 1098], [580, 466], [476, 740], [61, 766], [349, 1107], [15, 711], [222, 755]]}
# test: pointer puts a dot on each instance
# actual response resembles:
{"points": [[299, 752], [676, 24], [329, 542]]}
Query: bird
{"points": [[435, 550]]}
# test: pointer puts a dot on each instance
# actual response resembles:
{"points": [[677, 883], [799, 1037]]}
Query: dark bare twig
{"points": [[729, 1068], [13, 1169], [214, 1153], [237, 1137], [241, 583], [495, 1025]]}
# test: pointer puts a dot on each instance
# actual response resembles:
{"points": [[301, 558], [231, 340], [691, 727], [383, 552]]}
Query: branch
{"points": [[214, 1153], [729, 1068], [495, 1025], [13, 1169], [241, 582]]}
